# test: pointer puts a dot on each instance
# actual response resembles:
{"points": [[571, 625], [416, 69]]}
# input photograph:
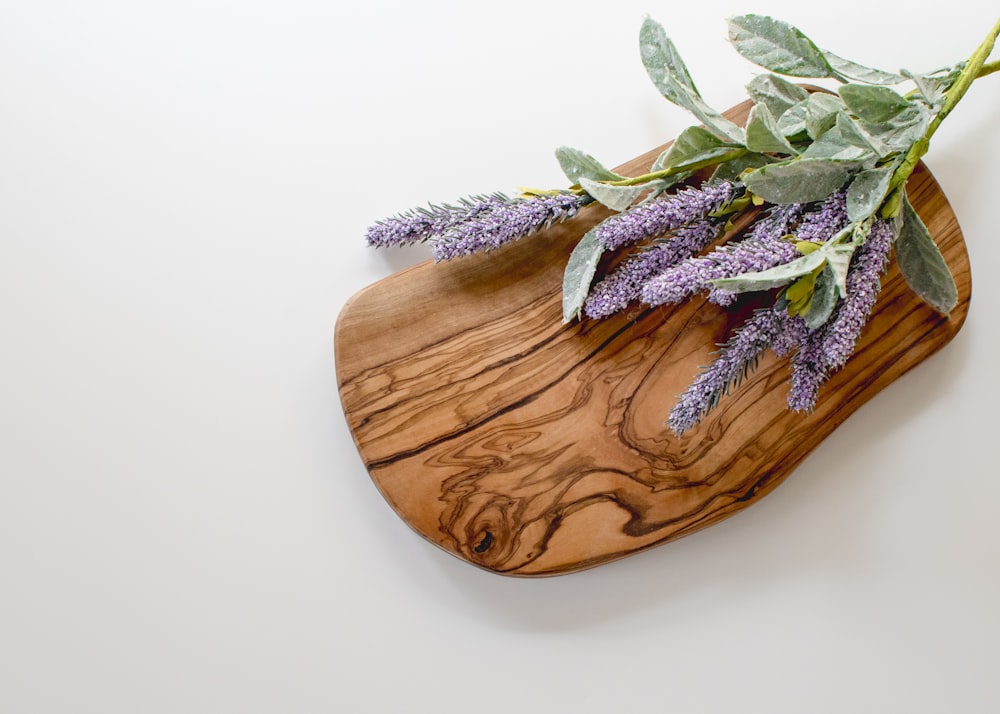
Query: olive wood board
{"points": [[532, 448]]}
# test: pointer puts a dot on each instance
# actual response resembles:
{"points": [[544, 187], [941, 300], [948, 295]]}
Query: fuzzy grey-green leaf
{"points": [[921, 263], [832, 145], [866, 193], [777, 46], [838, 260], [776, 93], [902, 130], [824, 299], [821, 113], [579, 274], [763, 134], [855, 135], [732, 169], [617, 198], [577, 164], [858, 72], [875, 105], [775, 277], [694, 143], [661, 58], [799, 181], [713, 120]]}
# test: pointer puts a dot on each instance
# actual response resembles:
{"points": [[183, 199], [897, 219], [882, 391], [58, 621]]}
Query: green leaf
{"points": [[777, 46], [813, 115], [824, 299], [821, 113], [763, 135], [932, 87], [693, 145], [799, 180], [838, 259], [776, 93], [579, 274], [835, 253], [775, 277], [858, 72], [713, 120], [792, 122], [731, 170], [833, 145], [661, 60], [921, 263], [617, 198], [901, 131], [875, 105], [866, 193], [576, 165], [855, 135]]}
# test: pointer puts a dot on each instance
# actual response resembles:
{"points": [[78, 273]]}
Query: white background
{"points": [[185, 525]]}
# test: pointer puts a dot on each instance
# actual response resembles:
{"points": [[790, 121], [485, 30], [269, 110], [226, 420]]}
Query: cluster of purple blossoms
{"points": [[768, 328], [822, 225], [817, 353], [671, 269], [664, 214], [621, 287], [764, 248], [827, 348], [478, 223], [503, 223], [422, 223]]}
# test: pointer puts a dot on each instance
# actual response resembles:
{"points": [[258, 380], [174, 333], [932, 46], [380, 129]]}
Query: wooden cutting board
{"points": [[531, 448]]}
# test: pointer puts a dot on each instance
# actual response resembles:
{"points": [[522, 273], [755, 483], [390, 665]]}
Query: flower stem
{"points": [[975, 67]]}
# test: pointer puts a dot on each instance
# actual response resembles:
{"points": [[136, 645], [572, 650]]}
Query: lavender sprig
{"points": [[662, 215], [820, 226], [828, 347], [421, 223], [764, 248], [502, 223], [735, 361], [621, 287]]}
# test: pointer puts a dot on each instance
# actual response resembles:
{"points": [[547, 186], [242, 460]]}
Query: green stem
{"points": [[976, 67], [736, 152], [989, 68]]}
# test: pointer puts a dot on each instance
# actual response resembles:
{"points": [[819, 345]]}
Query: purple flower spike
{"points": [[502, 223], [829, 347], [763, 249], [737, 359], [422, 223], [621, 287], [662, 215], [822, 225]]}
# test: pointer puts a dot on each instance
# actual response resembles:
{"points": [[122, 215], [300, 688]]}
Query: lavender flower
{"points": [[820, 226], [735, 361], [662, 215], [828, 347], [763, 249], [502, 223], [422, 223], [622, 286]]}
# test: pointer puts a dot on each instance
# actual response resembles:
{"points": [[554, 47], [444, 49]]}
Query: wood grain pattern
{"points": [[531, 448]]}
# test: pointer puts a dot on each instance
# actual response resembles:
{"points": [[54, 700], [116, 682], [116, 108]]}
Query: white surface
{"points": [[185, 525]]}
